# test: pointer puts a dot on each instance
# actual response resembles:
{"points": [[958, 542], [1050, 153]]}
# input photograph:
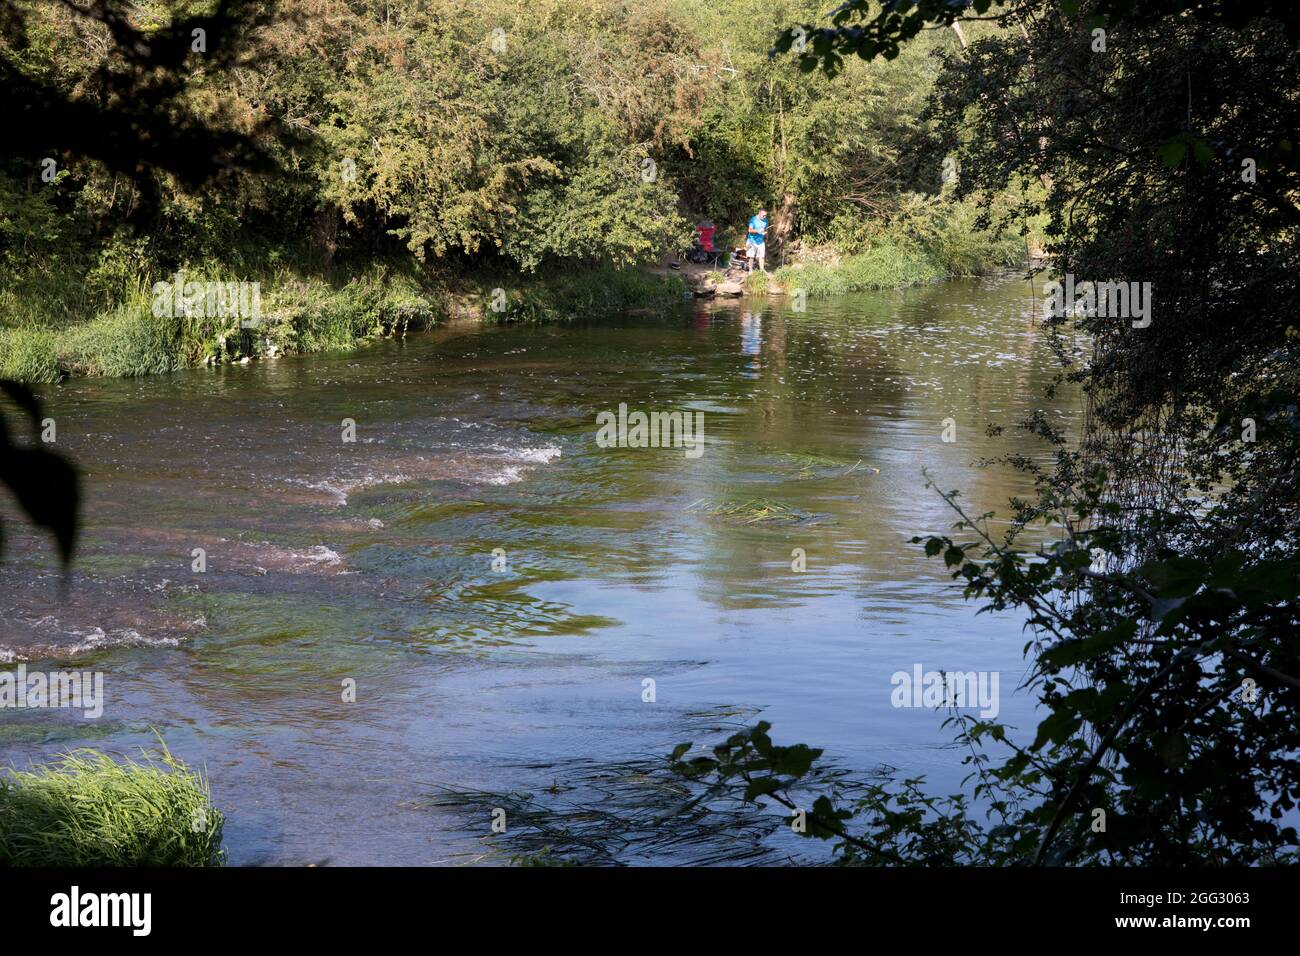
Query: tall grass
{"points": [[301, 312], [886, 265], [930, 240], [87, 809], [757, 282]]}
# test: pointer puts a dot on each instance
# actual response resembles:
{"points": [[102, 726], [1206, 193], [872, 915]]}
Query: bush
{"points": [[86, 809]]}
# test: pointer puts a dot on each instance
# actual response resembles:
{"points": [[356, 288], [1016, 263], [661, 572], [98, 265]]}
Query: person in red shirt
{"points": [[703, 249], [706, 230]]}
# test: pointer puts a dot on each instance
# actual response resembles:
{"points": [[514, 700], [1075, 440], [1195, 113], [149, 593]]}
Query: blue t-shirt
{"points": [[757, 228]]}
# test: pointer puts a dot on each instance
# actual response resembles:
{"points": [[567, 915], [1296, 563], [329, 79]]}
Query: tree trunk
{"points": [[326, 234]]}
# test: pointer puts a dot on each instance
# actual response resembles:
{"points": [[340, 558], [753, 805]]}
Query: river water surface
{"points": [[373, 561]]}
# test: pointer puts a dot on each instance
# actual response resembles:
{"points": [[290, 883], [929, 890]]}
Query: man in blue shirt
{"points": [[756, 240]]}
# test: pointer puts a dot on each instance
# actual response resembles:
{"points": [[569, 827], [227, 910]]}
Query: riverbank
{"points": [[881, 268], [901, 255], [297, 313], [362, 213], [51, 333]]}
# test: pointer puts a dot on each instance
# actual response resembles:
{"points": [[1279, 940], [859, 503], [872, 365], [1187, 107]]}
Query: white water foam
{"points": [[83, 640], [512, 473], [518, 460], [341, 488]]}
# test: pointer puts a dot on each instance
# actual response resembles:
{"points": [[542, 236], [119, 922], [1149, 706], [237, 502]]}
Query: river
{"points": [[372, 561]]}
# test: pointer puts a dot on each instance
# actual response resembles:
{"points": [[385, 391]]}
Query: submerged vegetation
{"points": [[634, 812], [751, 511], [820, 466], [87, 809]]}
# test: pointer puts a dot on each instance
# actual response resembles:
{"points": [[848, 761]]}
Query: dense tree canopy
{"points": [[530, 134]]}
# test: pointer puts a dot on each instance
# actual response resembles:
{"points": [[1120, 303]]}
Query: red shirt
{"points": [[706, 237]]}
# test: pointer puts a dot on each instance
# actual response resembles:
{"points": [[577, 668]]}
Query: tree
{"points": [[135, 120], [1166, 632]]}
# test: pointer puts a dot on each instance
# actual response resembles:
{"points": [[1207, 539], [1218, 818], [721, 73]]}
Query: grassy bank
{"points": [[103, 319], [47, 335], [87, 809], [911, 251]]}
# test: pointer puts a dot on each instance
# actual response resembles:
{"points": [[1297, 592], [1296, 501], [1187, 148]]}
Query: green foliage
{"points": [[87, 809], [584, 292], [903, 826], [466, 142], [1162, 610], [28, 355], [1165, 683], [302, 312], [129, 340], [438, 145], [884, 266], [758, 282], [856, 31], [930, 239]]}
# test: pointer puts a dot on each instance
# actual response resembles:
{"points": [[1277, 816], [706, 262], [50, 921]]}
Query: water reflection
{"points": [[373, 560]]}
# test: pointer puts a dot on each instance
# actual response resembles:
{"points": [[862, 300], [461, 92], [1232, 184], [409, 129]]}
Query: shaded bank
{"points": [[50, 334], [297, 314]]}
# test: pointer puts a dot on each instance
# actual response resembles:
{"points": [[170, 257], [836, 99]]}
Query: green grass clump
{"points": [[29, 355], [129, 340], [886, 265], [930, 240], [309, 314], [87, 809], [757, 282], [302, 311]]}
